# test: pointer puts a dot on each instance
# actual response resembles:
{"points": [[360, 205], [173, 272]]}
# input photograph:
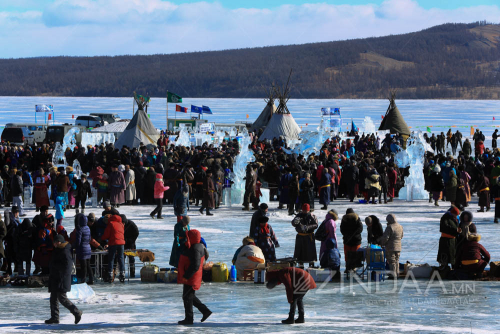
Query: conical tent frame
{"points": [[283, 95]]}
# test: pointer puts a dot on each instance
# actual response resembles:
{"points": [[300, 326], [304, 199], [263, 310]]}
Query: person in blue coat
{"points": [[283, 188], [330, 259], [82, 247], [324, 189], [181, 202]]}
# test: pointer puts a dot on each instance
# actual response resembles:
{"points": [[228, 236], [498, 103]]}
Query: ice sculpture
{"points": [[310, 141], [96, 139], [184, 137], [413, 157], [368, 127], [240, 167], [69, 139], [58, 157], [77, 169], [81, 292]]}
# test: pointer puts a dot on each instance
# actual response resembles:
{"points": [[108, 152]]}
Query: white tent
{"points": [[139, 130], [281, 125], [265, 116], [116, 127]]}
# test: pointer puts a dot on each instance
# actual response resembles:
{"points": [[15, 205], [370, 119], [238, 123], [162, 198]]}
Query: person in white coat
{"points": [[247, 256], [130, 193]]}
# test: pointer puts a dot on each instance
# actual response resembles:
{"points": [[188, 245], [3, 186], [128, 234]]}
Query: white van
{"points": [[106, 117], [38, 129]]}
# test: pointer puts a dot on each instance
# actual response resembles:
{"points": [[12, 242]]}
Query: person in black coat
{"points": [[140, 176], [261, 212], [305, 245], [61, 265], [149, 186], [351, 176], [83, 191], [131, 233], [384, 183], [23, 246], [374, 229]]}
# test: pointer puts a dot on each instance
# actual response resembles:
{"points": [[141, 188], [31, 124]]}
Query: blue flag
{"points": [[195, 109], [354, 127], [206, 110]]}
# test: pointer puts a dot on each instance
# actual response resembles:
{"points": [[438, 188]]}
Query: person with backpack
{"points": [[330, 258], [327, 230]]}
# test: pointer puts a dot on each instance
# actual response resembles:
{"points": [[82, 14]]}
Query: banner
{"points": [[178, 108], [174, 98], [206, 110], [195, 109], [330, 111], [44, 108], [354, 127], [207, 127], [336, 123]]}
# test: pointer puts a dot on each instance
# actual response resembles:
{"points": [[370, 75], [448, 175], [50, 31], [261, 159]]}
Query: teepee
{"points": [[282, 123], [393, 120], [139, 130], [266, 114]]}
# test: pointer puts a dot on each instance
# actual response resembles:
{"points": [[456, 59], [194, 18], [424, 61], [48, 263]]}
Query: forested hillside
{"points": [[447, 61]]}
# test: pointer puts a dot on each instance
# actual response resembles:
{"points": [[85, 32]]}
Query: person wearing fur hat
{"points": [[305, 245], [261, 212], [473, 257], [61, 265], [391, 239], [159, 190], [449, 231]]}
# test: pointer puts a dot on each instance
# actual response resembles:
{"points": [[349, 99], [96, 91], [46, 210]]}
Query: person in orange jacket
{"points": [[114, 233]]}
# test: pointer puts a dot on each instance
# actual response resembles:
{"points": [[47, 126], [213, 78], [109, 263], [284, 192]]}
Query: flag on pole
{"points": [[174, 98], [472, 131], [429, 129], [206, 110], [382, 116], [354, 127], [181, 109], [197, 110]]}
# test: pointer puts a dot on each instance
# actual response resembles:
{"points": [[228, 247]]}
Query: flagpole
{"points": [[167, 111]]}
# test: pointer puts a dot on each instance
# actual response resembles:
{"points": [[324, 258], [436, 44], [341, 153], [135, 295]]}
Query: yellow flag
{"points": [[472, 131]]}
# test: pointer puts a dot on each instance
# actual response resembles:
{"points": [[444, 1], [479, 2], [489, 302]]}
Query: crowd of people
{"points": [[360, 168]]}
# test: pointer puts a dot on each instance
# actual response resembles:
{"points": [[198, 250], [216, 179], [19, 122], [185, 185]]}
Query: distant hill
{"points": [[446, 61]]}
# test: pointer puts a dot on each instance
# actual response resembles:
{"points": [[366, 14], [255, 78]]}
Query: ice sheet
{"points": [[147, 308]]}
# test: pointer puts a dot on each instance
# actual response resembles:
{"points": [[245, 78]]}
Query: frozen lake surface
{"points": [[136, 307], [438, 114]]}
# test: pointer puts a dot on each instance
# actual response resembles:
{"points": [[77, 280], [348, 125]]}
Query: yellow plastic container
{"points": [[220, 273]]}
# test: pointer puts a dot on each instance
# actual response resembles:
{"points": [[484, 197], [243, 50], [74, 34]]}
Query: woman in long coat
{"points": [[449, 231], [451, 187], [117, 185], [266, 239], [130, 193], [208, 193], [307, 191], [324, 189], [465, 177], [41, 185], [392, 176], [293, 194], [72, 186]]}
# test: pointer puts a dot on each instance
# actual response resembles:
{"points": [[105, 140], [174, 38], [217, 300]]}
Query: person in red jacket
{"points": [[190, 273], [114, 233], [473, 257], [159, 190], [297, 282]]}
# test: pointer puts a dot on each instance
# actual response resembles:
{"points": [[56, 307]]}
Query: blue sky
{"points": [[233, 4], [33, 28]]}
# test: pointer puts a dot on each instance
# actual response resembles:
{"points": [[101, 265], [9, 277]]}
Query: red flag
{"points": [[181, 109], [72, 116], [50, 117], [382, 116]]}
